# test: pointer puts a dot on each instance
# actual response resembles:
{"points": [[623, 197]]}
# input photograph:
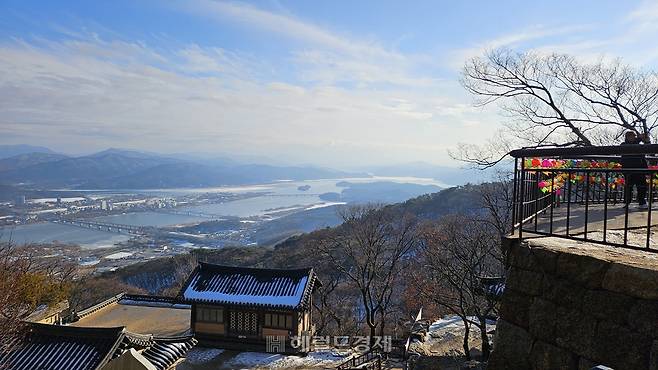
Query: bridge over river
{"points": [[189, 213], [108, 226]]}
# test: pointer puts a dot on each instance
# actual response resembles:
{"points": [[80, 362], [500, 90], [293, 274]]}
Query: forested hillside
{"points": [[164, 276]]}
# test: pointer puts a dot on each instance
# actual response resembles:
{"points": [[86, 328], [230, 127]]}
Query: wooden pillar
{"points": [[295, 320], [193, 318]]}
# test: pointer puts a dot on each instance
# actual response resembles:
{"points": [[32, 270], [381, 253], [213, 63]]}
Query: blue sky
{"points": [[335, 83]]}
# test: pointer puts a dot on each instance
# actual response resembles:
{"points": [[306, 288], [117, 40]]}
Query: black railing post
{"points": [[649, 211], [605, 206], [587, 172], [535, 192], [552, 200], [568, 204], [522, 197], [515, 203], [628, 198]]}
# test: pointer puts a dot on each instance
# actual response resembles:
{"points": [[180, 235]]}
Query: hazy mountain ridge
{"points": [[188, 174], [28, 159], [74, 171], [7, 151], [448, 175], [126, 169]]}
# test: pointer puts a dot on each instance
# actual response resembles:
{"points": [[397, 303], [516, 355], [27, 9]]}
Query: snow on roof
{"points": [[249, 286]]}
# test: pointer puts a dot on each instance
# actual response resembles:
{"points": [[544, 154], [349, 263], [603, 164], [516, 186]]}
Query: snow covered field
{"points": [[210, 358], [254, 360]]}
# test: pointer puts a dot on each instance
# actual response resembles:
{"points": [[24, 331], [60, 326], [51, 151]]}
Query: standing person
{"points": [[635, 161]]}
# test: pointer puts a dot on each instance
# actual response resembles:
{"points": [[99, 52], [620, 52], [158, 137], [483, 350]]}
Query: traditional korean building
{"points": [[238, 307], [56, 314], [59, 347]]}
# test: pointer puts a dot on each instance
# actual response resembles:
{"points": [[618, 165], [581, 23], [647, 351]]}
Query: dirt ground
{"points": [[139, 319], [443, 347]]}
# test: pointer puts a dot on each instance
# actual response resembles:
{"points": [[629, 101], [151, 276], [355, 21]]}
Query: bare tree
{"points": [[333, 303], [370, 249], [457, 253], [27, 281], [497, 202], [554, 100], [182, 268]]}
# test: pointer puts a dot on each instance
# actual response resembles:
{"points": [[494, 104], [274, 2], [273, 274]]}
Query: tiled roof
{"points": [[166, 351], [55, 347], [45, 311], [273, 288]]}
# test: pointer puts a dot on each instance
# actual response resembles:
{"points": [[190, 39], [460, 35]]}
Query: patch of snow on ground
{"points": [[246, 360], [200, 355], [453, 325], [54, 210], [318, 358], [445, 336], [326, 204], [89, 262], [118, 255]]}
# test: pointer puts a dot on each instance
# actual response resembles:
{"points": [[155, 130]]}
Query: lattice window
{"points": [[254, 323], [244, 322]]}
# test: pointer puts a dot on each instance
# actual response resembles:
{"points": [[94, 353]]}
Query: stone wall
{"points": [[572, 305]]}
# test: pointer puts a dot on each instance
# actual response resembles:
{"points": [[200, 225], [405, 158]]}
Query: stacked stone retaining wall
{"points": [[571, 305]]}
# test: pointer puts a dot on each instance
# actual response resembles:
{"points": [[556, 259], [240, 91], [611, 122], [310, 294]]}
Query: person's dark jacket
{"points": [[633, 160]]}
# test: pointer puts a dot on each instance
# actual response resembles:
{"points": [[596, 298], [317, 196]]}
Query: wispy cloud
{"points": [[96, 92], [288, 26], [517, 39], [325, 56], [327, 97], [646, 12]]}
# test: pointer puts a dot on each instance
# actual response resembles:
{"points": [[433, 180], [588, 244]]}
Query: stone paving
{"points": [[594, 216]]}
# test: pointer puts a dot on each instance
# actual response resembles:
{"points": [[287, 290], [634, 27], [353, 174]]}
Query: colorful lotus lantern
{"points": [[557, 179]]}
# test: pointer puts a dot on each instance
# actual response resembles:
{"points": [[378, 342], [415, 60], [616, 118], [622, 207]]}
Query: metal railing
{"points": [[587, 194], [369, 360]]}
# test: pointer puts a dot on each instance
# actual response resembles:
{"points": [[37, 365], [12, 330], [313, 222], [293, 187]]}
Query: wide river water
{"points": [[283, 195]]}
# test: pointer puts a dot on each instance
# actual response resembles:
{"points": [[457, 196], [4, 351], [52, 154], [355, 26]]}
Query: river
{"points": [[283, 195]]}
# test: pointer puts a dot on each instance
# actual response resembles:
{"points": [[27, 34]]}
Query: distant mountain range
{"points": [[26, 160], [448, 175], [125, 169], [7, 151]]}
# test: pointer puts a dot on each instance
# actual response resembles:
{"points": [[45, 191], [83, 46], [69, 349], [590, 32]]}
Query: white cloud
{"points": [[516, 39], [85, 96], [326, 57], [646, 12], [287, 26]]}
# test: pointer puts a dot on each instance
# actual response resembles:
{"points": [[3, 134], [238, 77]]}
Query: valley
{"points": [[105, 229]]}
